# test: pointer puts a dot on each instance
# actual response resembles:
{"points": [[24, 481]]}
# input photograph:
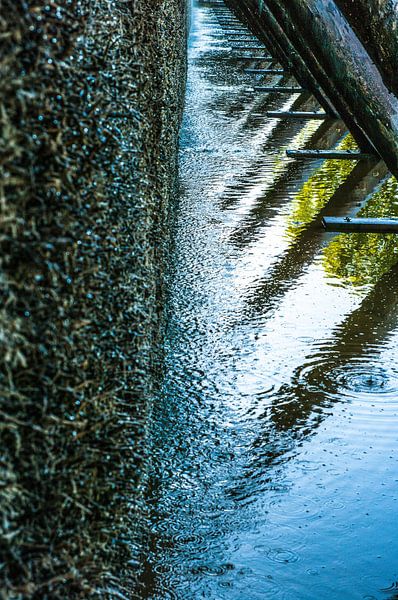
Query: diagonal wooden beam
{"points": [[264, 25], [323, 37], [376, 24]]}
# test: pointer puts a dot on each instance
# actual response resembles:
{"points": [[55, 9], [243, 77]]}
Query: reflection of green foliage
{"points": [[316, 192], [361, 258]]}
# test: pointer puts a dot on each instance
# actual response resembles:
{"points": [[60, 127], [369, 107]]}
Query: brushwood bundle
{"points": [[90, 103]]}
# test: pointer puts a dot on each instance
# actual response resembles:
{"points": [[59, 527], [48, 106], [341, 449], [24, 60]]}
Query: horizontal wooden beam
{"points": [[255, 57], [267, 71], [256, 48], [242, 41], [240, 33], [290, 114], [281, 89], [334, 154], [364, 225]]}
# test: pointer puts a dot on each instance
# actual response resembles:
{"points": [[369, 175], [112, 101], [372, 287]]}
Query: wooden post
{"points": [[325, 40], [376, 24]]}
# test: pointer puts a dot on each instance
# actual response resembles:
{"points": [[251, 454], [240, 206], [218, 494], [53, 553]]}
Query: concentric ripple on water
{"points": [[273, 455]]}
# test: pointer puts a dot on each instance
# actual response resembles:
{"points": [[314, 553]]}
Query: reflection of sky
{"points": [[275, 450]]}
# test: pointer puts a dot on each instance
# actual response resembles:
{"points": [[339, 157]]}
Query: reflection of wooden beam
{"points": [[296, 114], [352, 225], [335, 154], [281, 89]]}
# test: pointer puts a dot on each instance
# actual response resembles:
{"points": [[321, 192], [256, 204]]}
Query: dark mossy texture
{"points": [[90, 103]]}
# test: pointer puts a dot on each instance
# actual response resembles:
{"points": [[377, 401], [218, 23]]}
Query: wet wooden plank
{"points": [[280, 89], [364, 225], [334, 154], [295, 114]]}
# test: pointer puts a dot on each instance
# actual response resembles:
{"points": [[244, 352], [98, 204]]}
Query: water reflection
{"points": [[284, 273], [318, 189], [362, 258], [274, 437], [285, 181]]}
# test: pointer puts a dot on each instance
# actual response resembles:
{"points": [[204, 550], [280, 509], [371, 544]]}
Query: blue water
{"points": [[274, 441]]}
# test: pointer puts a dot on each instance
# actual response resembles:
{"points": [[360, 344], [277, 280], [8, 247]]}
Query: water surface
{"points": [[274, 440]]}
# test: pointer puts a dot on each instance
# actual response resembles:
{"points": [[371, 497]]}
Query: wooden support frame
{"points": [[264, 25], [322, 35]]}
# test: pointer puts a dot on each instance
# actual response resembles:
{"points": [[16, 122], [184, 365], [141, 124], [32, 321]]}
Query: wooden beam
{"points": [[280, 89], [254, 57], [256, 48], [376, 22], [323, 37], [244, 41], [267, 71], [264, 25], [355, 225], [291, 114], [334, 154]]}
